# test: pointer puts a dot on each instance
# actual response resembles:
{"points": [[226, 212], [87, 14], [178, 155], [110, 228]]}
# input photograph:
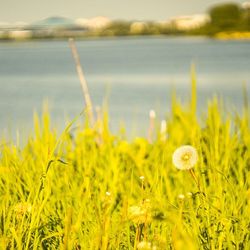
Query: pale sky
{"points": [[33, 10]]}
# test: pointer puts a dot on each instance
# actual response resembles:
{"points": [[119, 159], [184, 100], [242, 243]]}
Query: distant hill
{"points": [[53, 23]]}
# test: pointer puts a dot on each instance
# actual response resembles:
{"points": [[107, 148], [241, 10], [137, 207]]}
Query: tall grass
{"points": [[90, 189]]}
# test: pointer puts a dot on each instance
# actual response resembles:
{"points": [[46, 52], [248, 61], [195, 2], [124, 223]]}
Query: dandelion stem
{"points": [[136, 237], [191, 171]]}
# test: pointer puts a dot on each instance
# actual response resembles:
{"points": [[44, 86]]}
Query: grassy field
{"points": [[90, 189]]}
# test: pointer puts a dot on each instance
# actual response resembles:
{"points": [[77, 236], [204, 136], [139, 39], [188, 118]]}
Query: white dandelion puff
{"points": [[181, 196], [185, 157], [137, 214], [152, 114], [163, 130], [163, 126]]}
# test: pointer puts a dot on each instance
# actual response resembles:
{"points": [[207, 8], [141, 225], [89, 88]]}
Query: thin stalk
{"points": [[191, 171], [84, 85]]}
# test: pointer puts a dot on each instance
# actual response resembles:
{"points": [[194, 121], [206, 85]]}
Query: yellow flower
{"points": [[22, 208], [185, 157]]}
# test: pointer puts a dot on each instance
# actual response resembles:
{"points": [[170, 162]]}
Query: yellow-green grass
{"points": [[233, 35], [84, 189]]}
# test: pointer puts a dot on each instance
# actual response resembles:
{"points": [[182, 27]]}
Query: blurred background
{"points": [[133, 57]]}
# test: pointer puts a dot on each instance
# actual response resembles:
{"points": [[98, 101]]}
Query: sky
{"points": [[33, 10]]}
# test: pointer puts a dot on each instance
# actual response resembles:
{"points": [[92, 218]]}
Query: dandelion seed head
{"points": [[181, 196], [152, 114], [163, 126], [189, 194], [142, 177], [140, 214], [185, 157], [108, 193], [136, 213], [163, 130]]}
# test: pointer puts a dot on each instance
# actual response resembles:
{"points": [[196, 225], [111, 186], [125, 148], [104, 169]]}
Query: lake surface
{"points": [[136, 74]]}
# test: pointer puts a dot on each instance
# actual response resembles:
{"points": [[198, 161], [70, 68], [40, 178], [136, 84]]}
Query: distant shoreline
{"points": [[240, 36]]}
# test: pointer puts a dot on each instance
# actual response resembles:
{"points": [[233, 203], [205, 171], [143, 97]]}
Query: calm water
{"points": [[136, 74]]}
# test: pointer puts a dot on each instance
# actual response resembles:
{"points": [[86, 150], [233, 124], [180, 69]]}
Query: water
{"points": [[136, 74]]}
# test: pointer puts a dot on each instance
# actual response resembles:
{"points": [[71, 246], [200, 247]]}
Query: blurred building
{"points": [[94, 23], [186, 23], [138, 27], [246, 5], [20, 34]]}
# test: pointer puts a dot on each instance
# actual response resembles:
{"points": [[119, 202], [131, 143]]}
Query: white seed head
{"points": [[137, 214], [142, 177], [185, 157], [141, 213], [108, 193], [181, 196], [189, 194], [163, 126], [163, 130], [152, 114]]}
